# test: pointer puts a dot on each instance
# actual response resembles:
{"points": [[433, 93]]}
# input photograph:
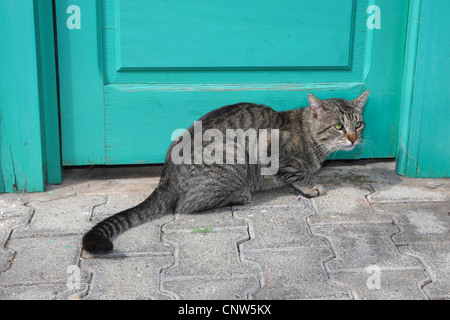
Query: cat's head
{"points": [[338, 123]]}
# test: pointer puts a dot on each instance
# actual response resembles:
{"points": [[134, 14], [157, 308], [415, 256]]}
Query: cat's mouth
{"points": [[349, 146]]}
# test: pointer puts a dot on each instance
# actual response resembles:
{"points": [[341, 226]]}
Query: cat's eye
{"points": [[358, 125], [338, 126]]}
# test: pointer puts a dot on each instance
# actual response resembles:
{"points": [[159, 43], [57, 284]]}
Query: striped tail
{"points": [[159, 203]]}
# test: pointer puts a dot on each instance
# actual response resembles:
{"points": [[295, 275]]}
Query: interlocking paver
{"points": [[403, 193], [279, 246], [295, 274], [212, 254], [41, 260], [118, 202], [387, 285], [212, 289], [275, 227], [418, 222], [60, 217], [358, 246], [207, 259], [219, 219], [281, 197], [43, 292], [6, 256], [126, 278], [436, 258], [13, 219], [345, 205]]}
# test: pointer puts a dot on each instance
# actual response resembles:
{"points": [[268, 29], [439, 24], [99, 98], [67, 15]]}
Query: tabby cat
{"points": [[306, 137]]}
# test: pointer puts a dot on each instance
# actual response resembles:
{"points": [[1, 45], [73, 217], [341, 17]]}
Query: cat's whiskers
{"points": [[370, 147], [322, 149], [336, 151]]}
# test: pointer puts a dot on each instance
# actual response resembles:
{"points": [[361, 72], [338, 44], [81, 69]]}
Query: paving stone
{"points": [[11, 220], [144, 186], [285, 196], [6, 256], [358, 246], [441, 186], [341, 176], [385, 285], [11, 203], [13, 214], [117, 203], [393, 193], [275, 227], [419, 222], [141, 240], [379, 172], [345, 205], [101, 187], [74, 187], [60, 217], [436, 258], [294, 274], [42, 292], [279, 246], [41, 260], [211, 255], [219, 219], [217, 289], [126, 278]]}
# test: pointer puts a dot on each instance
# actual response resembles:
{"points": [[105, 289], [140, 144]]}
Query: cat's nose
{"points": [[352, 137]]}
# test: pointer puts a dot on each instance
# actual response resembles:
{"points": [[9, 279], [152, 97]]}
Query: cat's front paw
{"points": [[312, 192]]}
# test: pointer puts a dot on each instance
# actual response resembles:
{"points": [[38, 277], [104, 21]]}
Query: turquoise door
{"points": [[133, 71]]}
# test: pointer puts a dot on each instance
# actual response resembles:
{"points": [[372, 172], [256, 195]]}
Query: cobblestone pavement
{"points": [[374, 235]]}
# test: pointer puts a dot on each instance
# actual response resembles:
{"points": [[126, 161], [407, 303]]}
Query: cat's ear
{"points": [[317, 107], [360, 102]]}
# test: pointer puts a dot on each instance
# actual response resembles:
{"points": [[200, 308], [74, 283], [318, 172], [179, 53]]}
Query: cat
{"points": [[306, 136]]}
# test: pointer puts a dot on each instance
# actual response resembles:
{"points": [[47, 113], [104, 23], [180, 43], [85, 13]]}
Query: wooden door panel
{"points": [[176, 107], [234, 34]]}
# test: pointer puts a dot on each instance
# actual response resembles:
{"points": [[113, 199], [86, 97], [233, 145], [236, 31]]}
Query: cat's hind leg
{"points": [[237, 198], [189, 203]]}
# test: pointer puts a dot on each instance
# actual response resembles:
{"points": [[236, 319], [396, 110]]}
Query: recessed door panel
{"points": [[235, 34]]}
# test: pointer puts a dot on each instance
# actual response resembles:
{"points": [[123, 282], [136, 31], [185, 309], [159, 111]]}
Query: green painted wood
{"points": [[29, 121], [425, 152], [235, 34], [382, 74], [412, 40], [49, 95], [111, 20], [154, 83], [81, 83], [22, 154], [153, 128], [2, 187]]}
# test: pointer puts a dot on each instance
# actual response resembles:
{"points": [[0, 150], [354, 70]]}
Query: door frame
{"points": [[30, 154]]}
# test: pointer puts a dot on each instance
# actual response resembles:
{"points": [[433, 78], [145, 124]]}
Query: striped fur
{"points": [[307, 136]]}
